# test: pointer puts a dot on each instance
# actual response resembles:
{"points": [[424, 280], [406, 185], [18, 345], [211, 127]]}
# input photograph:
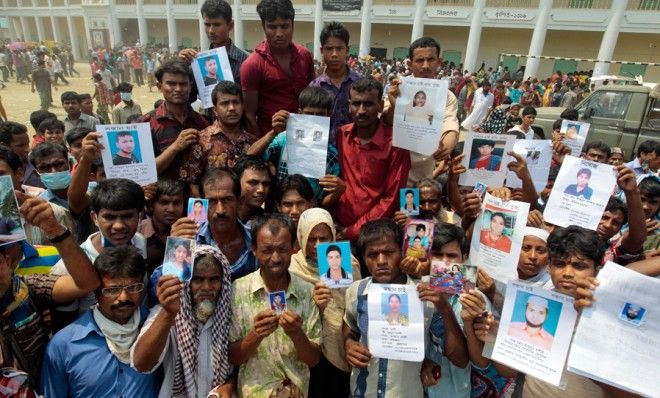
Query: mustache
{"points": [[203, 293], [123, 304], [220, 217]]}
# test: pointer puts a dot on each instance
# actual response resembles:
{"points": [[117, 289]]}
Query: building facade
{"points": [[471, 32]]}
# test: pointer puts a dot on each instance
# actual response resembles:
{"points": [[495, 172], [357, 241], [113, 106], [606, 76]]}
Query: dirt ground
{"points": [[19, 101]]}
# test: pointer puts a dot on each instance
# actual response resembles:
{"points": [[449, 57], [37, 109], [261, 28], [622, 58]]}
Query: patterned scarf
{"points": [[187, 334]]}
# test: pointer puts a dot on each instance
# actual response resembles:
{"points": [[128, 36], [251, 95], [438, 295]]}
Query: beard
{"points": [[204, 310]]}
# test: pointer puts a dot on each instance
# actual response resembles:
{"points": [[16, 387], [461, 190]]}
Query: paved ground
{"points": [[19, 101]]}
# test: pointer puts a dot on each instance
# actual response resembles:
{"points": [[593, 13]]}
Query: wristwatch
{"points": [[60, 238]]}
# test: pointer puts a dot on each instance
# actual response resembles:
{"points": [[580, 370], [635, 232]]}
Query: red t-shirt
{"points": [[262, 73]]}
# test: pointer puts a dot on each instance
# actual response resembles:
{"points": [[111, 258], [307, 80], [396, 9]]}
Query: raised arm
{"points": [[77, 192]]}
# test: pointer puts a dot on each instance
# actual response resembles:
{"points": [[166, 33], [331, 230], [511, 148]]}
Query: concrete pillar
{"points": [[318, 27], [538, 38], [88, 34], [13, 29], [25, 29], [365, 29], [204, 43], [57, 33], [171, 27], [113, 24], [610, 37], [73, 37], [41, 31], [238, 25], [143, 31], [418, 21], [472, 50]]}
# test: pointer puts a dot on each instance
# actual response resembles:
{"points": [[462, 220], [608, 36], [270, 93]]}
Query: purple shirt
{"points": [[339, 115]]}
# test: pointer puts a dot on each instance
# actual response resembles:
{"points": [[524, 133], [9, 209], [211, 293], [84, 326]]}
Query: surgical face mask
{"points": [[55, 181], [126, 96]]}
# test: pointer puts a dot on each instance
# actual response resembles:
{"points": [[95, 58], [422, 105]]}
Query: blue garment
{"points": [[50, 196], [78, 363], [572, 190], [246, 263], [635, 166]]}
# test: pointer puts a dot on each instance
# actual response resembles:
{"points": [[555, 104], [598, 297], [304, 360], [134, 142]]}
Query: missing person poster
{"points": [[334, 260], [537, 155], [11, 228], [419, 114], [484, 158], [210, 67], [307, 144], [396, 322], [626, 305], [535, 331], [580, 193], [409, 201], [418, 238], [574, 134], [497, 237], [178, 258], [128, 152]]}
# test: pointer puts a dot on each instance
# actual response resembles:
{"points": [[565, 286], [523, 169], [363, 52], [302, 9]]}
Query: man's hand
{"points": [[485, 328], [321, 295], [149, 191], [393, 92], [438, 299], [169, 290], [626, 179], [187, 54], [442, 153], [457, 167], [265, 323], [651, 226], [291, 323], [430, 373], [415, 267], [584, 292], [332, 184], [279, 121], [473, 304], [518, 166], [400, 218], [91, 147], [185, 139], [471, 205], [39, 213], [503, 193], [357, 354], [184, 228], [535, 219], [485, 283], [559, 151]]}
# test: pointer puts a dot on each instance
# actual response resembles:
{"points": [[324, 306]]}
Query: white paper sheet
{"points": [[479, 151], [139, 163], [498, 252], [399, 336], [574, 134], [571, 202], [307, 144], [537, 351], [616, 340], [419, 114], [203, 66], [538, 155]]}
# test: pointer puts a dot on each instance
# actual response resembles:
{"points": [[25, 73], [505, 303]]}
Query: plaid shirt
{"points": [[236, 57]]}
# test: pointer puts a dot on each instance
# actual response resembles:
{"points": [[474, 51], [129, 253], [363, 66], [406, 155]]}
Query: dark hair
{"points": [[117, 194], [50, 124], [572, 240], [37, 117], [12, 159], [295, 182], [124, 87], [650, 186], [96, 165], [599, 146], [570, 114], [490, 143], [166, 186], [123, 134], [420, 227], [76, 133], [135, 118], [415, 97], [332, 248], [554, 172], [270, 10], [174, 67], [648, 146], [217, 9], [315, 97], [46, 149], [84, 96], [216, 173], [498, 214], [367, 84], [210, 58], [423, 42], [614, 204], [557, 124], [97, 77], [409, 191], [375, 230], [10, 129], [444, 233], [274, 222], [251, 162], [529, 110], [584, 170], [70, 96], [226, 87], [120, 261], [158, 102], [335, 29]]}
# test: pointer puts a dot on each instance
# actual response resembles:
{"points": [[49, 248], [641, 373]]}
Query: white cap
{"points": [[537, 232]]}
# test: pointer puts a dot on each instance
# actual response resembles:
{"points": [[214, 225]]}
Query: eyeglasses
{"points": [[116, 290]]}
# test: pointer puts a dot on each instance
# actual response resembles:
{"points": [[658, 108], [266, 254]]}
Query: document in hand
{"points": [[537, 155], [307, 144], [128, 152], [485, 157], [419, 114], [616, 340], [574, 134], [210, 67]]}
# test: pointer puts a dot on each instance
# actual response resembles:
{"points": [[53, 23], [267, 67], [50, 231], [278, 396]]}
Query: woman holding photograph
{"points": [[180, 265], [330, 378]]}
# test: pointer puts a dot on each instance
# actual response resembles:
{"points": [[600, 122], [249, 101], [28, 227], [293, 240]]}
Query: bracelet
{"points": [[60, 238]]}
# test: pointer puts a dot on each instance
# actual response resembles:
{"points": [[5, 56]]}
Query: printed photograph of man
{"points": [[277, 301], [484, 157], [125, 143], [211, 68], [581, 189], [632, 313], [395, 311], [532, 330]]}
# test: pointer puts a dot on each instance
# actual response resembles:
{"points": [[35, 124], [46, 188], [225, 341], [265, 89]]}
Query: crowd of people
{"points": [[87, 309]]}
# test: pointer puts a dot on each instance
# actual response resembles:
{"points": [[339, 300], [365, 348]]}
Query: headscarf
{"points": [[300, 263], [187, 333]]}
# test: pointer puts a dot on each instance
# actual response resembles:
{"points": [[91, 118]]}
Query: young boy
{"points": [[52, 130], [313, 101], [380, 242]]}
